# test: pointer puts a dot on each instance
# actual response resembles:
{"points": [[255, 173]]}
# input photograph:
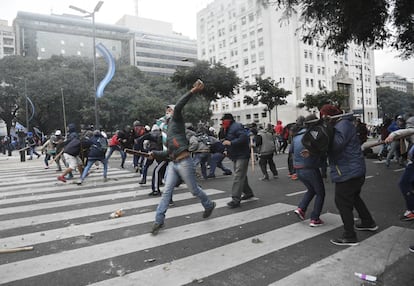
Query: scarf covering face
{"points": [[226, 123]]}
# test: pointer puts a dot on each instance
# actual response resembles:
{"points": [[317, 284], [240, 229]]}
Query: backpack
{"points": [[318, 137], [204, 138], [101, 144]]}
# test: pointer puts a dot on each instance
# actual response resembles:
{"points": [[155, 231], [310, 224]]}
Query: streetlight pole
{"points": [[362, 94], [92, 15], [27, 108], [64, 110]]}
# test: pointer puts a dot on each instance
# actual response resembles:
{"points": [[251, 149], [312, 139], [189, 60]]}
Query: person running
{"points": [[115, 145], [181, 164]]}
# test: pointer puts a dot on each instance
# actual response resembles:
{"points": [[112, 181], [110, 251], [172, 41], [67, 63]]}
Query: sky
{"points": [[181, 13]]}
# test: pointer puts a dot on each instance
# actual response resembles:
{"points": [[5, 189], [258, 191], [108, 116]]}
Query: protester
{"points": [[307, 169], [265, 143], [236, 142], [347, 165], [181, 164], [96, 146], [115, 145]]}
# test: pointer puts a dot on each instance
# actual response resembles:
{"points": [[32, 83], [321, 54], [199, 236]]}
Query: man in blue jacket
{"points": [[347, 166], [236, 142]]}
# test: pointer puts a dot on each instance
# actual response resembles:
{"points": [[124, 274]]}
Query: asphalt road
{"points": [[262, 243]]}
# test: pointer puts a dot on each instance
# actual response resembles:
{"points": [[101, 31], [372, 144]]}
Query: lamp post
{"points": [[92, 15], [362, 94], [64, 110]]}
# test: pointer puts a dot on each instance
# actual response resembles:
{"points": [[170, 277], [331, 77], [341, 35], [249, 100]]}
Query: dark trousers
{"points": [[158, 175], [406, 186], [267, 159], [347, 197]]}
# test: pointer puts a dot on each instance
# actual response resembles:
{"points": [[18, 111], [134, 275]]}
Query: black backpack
{"points": [[318, 136]]}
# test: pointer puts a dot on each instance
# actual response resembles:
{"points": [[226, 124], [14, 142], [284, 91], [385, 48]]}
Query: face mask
{"points": [[226, 123]]}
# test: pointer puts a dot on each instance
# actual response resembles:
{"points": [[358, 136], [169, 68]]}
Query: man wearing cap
{"points": [[181, 164], [236, 142], [347, 166]]}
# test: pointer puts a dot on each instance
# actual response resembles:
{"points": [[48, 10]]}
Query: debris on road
{"points": [[13, 250]]}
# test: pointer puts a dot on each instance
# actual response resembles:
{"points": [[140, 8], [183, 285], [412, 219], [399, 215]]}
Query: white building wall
{"points": [[252, 41]]}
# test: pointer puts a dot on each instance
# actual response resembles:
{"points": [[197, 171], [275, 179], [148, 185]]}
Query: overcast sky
{"points": [[181, 13]]}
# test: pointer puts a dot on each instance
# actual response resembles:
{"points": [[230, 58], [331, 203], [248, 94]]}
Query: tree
{"points": [[394, 102], [339, 22], [219, 80], [267, 92], [321, 98]]}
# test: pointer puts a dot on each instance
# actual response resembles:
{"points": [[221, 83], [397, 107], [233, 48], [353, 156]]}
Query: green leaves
{"points": [[319, 99]]}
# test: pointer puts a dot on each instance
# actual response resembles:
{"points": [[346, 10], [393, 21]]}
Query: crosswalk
{"points": [[76, 243]]}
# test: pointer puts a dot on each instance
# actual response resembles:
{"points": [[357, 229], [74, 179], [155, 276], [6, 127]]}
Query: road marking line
{"points": [[198, 266], [54, 262], [296, 193], [371, 256], [99, 226], [101, 210]]}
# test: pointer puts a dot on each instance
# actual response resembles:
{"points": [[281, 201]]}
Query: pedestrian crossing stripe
{"points": [[71, 258], [371, 257], [199, 266], [94, 227], [101, 210]]}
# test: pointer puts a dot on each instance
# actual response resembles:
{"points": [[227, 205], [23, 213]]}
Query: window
{"points": [[246, 61], [243, 20], [248, 116], [256, 116], [262, 70], [305, 54], [311, 82], [251, 17], [252, 44], [306, 68], [323, 70], [261, 56], [311, 68], [319, 70], [310, 54], [264, 114], [253, 58], [260, 41], [307, 82]]}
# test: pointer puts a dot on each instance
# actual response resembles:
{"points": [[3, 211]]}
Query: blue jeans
{"points": [[216, 160], [89, 165], [202, 158], [313, 181], [185, 170], [119, 149]]}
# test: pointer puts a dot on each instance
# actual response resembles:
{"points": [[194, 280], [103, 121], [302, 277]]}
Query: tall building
{"points": [[396, 82], [253, 41], [158, 49], [7, 39], [42, 36]]}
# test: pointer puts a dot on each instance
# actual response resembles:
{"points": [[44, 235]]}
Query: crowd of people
{"points": [[178, 149]]}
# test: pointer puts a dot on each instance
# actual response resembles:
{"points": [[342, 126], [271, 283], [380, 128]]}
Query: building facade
{"points": [[396, 82], [159, 50], [255, 41], [7, 39], [41, 36]]}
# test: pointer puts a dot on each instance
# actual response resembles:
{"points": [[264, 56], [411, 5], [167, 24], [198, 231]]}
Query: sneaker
{"points": [[411, 248], [228, 173], [300, 213], [407, 216], [345, 241], [142, 182], [62, 179], [69, 176], [371, 227], [156, 228], [233, 204], [294, 177], [171, 203], [79, 182], [316, 222], [211, 176], [46, 167], [207, 212], [264, 178], [246, 197], [155, 194], [105, 180], [275, 176]]}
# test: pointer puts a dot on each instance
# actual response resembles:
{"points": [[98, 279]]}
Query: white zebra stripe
{"points": [[54, 262]]}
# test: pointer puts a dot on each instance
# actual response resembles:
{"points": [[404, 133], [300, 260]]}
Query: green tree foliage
{"points": [[267, 92], [219, 80], [321, 98], [368, 22], [393, 102], [130, 96]]}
